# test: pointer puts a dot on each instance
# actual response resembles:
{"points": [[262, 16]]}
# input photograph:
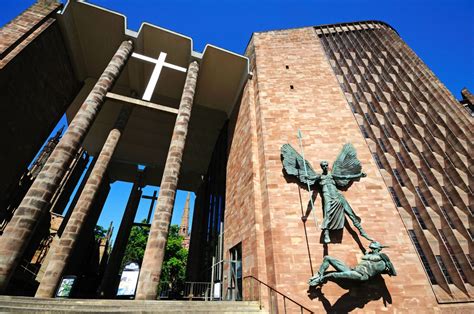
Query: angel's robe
{"points": [[335, 205]]}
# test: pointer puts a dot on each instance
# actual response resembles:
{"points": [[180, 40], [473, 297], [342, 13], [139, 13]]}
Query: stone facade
{"points": [[294, 87], [422, 151], [467, 100]]}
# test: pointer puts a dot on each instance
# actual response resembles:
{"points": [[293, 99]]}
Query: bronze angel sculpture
{"points": [[346, 169]]}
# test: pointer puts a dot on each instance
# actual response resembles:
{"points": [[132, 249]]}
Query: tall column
{"points": [[44, 264], [155, 248], [80, 213], [109, 284], [83, 242], [17, 234]]}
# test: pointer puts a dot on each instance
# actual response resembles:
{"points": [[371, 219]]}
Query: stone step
{"points": [[118, 307], [59, 311], [43, 305], [113, 302]]}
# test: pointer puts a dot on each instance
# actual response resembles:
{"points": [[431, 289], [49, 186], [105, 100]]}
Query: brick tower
{"points": [[358, 83]]}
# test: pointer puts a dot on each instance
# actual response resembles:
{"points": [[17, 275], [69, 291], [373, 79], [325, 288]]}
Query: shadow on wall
{"points": [[358, 296]]}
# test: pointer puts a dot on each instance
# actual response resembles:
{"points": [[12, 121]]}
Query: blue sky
{"points": [[440, 32]]}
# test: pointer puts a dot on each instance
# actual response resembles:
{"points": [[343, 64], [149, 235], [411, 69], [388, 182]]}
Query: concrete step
{"points": [[43, 305]]}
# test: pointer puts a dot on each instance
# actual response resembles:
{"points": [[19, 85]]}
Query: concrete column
{"points": [[110, 281], [155, 248], [36, 202], [71, 233]]}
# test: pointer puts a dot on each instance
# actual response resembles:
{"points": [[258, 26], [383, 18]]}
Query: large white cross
{"points": [[159, 64]]}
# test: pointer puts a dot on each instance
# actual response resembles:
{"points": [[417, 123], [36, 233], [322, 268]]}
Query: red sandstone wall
{"points": [[37, 84], [243, 188], [21, 31], [264, 211]]}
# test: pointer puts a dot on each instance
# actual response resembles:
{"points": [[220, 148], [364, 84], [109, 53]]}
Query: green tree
{"points": [[173, 270], [99, 232], [136, 245]]}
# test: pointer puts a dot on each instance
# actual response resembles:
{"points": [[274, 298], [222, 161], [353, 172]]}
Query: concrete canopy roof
{"points": [[92, 35]]}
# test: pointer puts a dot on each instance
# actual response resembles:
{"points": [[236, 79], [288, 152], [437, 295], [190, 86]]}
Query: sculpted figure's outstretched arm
{"points": [[349, 176], [316, 177]]}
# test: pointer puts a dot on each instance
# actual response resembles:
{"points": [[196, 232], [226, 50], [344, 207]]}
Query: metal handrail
{"points": [[191, 290], [25, 265], [273, 308]]}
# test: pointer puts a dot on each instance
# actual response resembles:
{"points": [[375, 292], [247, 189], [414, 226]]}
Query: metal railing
{"points": [[197, 290], [164, 290], [191, 291], [30, 270], [269, 298]]}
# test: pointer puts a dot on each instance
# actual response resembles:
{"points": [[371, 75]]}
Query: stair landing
{"points": [[44, 305]]}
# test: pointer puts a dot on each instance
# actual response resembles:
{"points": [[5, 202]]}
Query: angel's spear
{"points": [[300, 138]]}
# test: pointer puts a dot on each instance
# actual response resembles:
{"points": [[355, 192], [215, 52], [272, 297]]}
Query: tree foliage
{"points": [[173, 270], [136, 245], [99, 232]]}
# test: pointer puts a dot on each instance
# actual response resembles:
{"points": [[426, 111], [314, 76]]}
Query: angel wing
{"points": [[294, 166], [346, 167]]}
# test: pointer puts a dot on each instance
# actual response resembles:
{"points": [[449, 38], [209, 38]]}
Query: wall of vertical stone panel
{"points": [[306, 95], [419, 139], [243, 214]]}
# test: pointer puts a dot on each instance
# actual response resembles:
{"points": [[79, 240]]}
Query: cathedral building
{"points": [[218, 123]]}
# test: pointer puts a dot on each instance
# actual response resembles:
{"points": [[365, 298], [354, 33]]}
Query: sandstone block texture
{"points": [[37, 84], [421, 140], [293, 88], [12, 35], [18, 232], [155, 247], [72, 232]]}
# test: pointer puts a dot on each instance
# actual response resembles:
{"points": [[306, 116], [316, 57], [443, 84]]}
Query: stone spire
{"points": [[184, 227], [45, 153]]}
